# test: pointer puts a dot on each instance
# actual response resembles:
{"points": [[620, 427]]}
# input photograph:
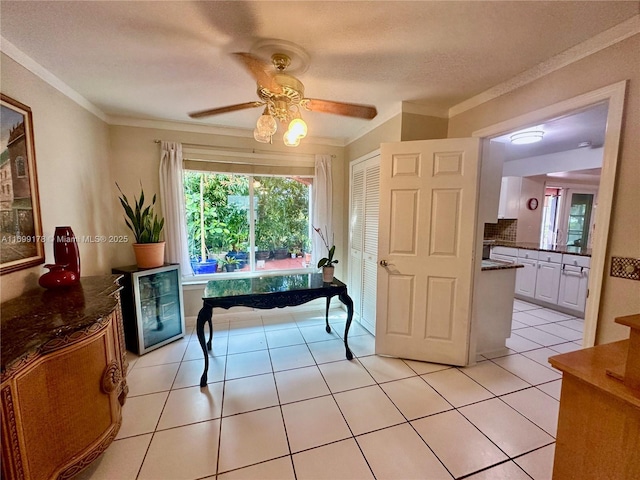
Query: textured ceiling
{"points": [[160, 60]]}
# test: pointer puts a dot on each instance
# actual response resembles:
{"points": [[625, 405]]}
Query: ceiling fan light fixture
{"points": [[291, 139], [258, 136], [530, 136], [266, 124], [298, 127]]}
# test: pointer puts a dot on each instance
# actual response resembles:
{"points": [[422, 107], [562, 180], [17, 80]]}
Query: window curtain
{"points": [[322, 206], [173, 209]]}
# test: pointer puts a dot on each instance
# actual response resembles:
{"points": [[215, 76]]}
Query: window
{"points": [[246, 223], [21, 168]]}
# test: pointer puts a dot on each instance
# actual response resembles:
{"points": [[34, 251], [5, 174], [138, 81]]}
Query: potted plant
{"points": [[146, 227], [230, 263], [327, 263]]}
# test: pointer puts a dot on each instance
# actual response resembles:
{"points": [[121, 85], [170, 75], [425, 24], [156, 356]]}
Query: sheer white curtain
{"points": [[322, 206], [173, 209]]}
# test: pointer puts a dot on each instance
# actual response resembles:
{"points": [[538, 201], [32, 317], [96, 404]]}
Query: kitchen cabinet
{"points": [[553, 278], [509, 197], [493, 312], [526, 277], [363, 239], [548, 277], [574, 282]]}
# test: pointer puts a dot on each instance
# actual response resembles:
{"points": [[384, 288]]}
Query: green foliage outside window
{"points": [[282, 217], [214, 223], [217, 210]]}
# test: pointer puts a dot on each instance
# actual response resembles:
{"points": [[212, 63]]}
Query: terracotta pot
{"points": [[327, 274], [149, 255]]}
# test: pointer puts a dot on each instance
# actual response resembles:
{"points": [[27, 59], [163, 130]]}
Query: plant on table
{"points": [[327, 263]]}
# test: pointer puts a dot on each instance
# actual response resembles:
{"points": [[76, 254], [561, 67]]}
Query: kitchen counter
{"points": [[493, 310], [583, 251], [488, 264]]}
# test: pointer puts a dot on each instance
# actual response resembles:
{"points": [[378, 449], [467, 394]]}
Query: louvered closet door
{"points": [[363, 239], [370, 255], [356, 237]]}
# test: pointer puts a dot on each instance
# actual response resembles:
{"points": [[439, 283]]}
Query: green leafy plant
{"points": [[141, 219], [327, 261], [229, 261]]}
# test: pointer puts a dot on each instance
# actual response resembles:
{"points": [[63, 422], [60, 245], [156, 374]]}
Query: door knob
{"points": [[383, 263]]}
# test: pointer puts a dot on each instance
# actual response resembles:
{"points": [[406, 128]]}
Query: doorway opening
{"points": [[612, 97]]}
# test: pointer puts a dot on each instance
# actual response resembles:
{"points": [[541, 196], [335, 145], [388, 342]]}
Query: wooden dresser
{"points": [[599, 423], [63, 378]]}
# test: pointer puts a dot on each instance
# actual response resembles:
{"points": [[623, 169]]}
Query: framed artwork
{"points": [[21, 239]]}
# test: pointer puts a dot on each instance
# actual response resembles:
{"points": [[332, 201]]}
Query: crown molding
{"points": [[34, 67], [593, 45]]}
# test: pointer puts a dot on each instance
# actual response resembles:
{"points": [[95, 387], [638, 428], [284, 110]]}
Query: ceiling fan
{"points": [[282, 95]]}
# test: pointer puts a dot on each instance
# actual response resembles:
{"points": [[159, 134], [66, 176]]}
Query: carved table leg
{"points": [[346, 299], [204, 316], [326, 315]]}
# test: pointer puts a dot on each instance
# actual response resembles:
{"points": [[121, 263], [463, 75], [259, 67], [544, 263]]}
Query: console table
{"points": [[268, 292], [63, 378]]}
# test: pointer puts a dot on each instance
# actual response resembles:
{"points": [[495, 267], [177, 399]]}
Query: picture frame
{"points": [[21, 238]]}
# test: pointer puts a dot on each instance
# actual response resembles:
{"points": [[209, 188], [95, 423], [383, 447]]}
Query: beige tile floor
{"points": [[282, 402]]}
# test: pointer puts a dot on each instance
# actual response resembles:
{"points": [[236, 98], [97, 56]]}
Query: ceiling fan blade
{"points": [[260, 71], [341, 108], [229, 108]]}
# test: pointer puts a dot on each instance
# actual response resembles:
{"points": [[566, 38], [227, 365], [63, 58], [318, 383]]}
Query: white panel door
{"points": [[428, 212]]}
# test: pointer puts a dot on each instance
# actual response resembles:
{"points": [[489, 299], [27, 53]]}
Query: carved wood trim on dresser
{"points": [[63, 378]]}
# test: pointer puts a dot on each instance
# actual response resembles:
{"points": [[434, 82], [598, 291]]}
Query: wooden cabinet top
{"points": [[40, 320], [591, 364]]}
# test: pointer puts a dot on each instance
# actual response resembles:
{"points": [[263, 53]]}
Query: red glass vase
{"points": [[57, 277], [65, 250]]}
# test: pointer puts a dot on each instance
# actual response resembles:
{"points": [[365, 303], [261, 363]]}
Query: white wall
{"points": [[568, 161], [73, 171]]}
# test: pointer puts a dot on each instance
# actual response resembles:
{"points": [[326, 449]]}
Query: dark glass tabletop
{"points": [[267, 284]]}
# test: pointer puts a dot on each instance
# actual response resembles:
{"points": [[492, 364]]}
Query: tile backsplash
{"points": [[504, 230]]}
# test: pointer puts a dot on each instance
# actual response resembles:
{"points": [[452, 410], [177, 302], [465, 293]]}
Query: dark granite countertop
{"points": [[498, 265], [583, 251], [39, 316]]}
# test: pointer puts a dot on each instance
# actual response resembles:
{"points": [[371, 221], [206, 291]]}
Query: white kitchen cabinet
{"points": [[526, 277], [503, 258], [574, 282], [507, 251], [548, 278], [509, 197], [363, 239]]}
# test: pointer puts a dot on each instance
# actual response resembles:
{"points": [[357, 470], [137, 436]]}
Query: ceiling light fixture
{"points": [[530, 136], [283, 106]]}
